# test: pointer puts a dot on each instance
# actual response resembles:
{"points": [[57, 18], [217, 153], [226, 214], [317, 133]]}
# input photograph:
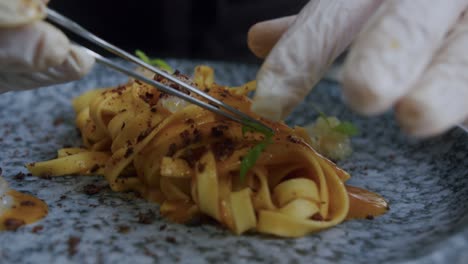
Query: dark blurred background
{"points": [[196, 29]]}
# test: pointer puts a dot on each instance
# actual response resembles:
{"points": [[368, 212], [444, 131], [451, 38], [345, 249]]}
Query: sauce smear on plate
{"points": [[26, 209]]}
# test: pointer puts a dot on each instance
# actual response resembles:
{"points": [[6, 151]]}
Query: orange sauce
{"points": [[365, 204], [26, 209]]}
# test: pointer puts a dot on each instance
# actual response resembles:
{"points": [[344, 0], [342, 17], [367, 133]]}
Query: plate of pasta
{"points": [[130, 173]]}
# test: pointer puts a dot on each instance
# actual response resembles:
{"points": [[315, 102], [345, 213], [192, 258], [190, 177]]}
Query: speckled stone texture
{"points": [[426, 183]]}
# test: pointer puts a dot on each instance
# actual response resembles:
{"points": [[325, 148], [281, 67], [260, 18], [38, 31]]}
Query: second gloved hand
{"points": [[410, 54], [33, 53]]}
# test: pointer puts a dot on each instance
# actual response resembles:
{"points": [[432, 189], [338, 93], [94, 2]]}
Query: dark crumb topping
{"points": [[149, 95], [146, 218], [171, 84], [94, 168], [27, 203], [197, 136], [119, 90], [185, 135], [148, 98], [92, 189], [58, 121], [19, 176], [45, 176], [123, 229], [144, 134], [73, 243], [317, 217], [128, 152], [12, 224], [37, 229], [218, 131], [171, 240], [201, 167], [172, 149], [223, 149], [191, 156], [370, 217]]}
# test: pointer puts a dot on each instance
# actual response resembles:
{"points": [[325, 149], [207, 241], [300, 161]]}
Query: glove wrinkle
{"points": [[439, 99], [77, 64], [34, 53], [393, 51], [33, 47]]}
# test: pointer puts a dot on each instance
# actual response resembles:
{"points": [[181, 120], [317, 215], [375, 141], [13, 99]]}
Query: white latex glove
{"points": [[33, 53], [411, 54]]}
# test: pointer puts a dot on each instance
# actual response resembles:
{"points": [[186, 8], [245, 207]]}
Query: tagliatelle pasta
{"points": [[188, 160]]}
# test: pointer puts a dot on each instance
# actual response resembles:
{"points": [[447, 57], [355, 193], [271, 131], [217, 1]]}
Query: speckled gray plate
{"points": [[426, 183]]}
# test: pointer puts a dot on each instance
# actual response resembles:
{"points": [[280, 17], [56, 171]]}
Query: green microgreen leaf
{"points": [[252, 156], [246, 129], [249, 160], [162, 65], [321, 114], [142, 56], [155, 62], [250, 126], [346, 128]]}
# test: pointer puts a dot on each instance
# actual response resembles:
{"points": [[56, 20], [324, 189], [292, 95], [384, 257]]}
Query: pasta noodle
{"points": [[188, 160]]}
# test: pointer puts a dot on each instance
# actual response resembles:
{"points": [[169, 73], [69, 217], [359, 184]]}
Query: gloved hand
{"points": [[409, 54], [33, 53]]}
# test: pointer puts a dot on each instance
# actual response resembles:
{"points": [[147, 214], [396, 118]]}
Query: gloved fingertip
{"points": [[80, 61], [263, 36], [416, 120], [361, 90], [253, 42], [356, 96]]}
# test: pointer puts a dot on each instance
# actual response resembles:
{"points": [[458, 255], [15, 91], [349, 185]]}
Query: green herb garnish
{"points": [[321, 114], [252, 156], [346, 128], [155, 62], [249, 160], [255, 127], [143, 56]]}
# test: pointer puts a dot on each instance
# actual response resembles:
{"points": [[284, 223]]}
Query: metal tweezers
{"points": [[213, 104]]}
